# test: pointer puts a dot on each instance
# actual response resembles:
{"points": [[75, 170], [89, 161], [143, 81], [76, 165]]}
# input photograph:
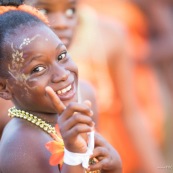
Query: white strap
{"points": [[74, 159]]}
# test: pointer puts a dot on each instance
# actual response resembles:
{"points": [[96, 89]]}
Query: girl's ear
{"points": [[4, 90]]}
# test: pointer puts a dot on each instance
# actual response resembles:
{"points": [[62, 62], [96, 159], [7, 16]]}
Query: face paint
{"points": [[27, 41], [17, 63]]}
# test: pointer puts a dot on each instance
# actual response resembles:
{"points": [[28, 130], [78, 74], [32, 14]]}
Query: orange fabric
{"points": [[145, 80], [90, 59]]}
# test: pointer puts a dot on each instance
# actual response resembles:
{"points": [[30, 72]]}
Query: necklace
{"points": [[13, 112]]}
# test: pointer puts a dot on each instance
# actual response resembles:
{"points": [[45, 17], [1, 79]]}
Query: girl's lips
{"points": [[67, 93]]}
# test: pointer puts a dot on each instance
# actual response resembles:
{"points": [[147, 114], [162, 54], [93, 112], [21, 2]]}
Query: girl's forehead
{"points": [[28, 37], [39, 40]]}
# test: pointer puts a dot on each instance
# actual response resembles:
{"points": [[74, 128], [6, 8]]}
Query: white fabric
{"points": [[74, 159]]}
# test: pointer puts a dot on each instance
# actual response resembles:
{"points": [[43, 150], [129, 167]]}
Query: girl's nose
{"points": [[58, 21], [60, 74]]}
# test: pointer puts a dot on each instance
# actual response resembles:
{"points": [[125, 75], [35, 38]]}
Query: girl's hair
{"points": [[14, 15]]}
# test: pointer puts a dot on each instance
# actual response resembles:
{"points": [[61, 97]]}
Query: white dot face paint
{"points": [[18, 61]]}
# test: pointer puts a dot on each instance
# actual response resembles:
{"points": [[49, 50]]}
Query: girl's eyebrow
{"points": [[44, 2], [38, 56], [72, 2], [59, 46], [33, 59]]}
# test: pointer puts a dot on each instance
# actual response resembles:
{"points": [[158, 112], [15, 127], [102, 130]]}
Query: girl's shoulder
{"points": [[22, 145]]}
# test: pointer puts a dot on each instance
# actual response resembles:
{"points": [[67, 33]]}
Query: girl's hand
{"points": [[74, 122], [108, 159]]}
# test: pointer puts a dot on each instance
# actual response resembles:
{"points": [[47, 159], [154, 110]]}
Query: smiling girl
{"points": [[40, 78]]}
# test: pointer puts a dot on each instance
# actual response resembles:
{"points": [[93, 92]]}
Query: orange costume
{"points": [[90, 52], [145, 79]]}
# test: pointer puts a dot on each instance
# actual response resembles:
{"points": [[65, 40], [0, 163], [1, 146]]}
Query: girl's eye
{"points": [[70, 12], [43, 11], [62, 56], [38, 69]]}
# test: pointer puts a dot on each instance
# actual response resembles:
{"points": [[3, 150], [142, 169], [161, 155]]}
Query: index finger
{"points": [[58, 104]]}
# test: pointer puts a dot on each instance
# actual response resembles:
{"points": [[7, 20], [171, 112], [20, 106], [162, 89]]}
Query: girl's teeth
{"points": [[63, 91], [68, 88], [59, 92]]}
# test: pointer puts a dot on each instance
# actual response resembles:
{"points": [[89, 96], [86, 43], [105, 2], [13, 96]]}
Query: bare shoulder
{"points": [[116, 41], [22, 149], [112, 30]]}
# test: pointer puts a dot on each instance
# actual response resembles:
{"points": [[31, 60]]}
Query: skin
{"points": [[4, 118], [120, 68], [49, 68]]}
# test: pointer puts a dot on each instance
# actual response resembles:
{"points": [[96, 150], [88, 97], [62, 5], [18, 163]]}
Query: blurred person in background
{"points": [[159, 16], [150, 26], [104, 60]]}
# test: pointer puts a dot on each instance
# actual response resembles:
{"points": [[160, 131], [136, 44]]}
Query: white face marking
{"points": [[17, 62]]}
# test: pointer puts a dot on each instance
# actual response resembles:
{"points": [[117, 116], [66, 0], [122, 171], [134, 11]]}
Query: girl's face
{"points": [[62, 17], [39, 59]]}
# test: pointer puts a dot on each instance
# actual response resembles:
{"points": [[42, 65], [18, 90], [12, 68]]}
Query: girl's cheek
{"points": [[32, 84]]}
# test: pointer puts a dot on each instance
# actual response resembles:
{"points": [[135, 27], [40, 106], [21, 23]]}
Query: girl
{"points": [[41, 79]]}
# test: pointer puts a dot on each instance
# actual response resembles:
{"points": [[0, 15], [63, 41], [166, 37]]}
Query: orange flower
{"points": [[56, 148]]}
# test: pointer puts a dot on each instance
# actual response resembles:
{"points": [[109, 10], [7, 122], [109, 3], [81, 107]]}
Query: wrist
{"points": [[74, 159]]}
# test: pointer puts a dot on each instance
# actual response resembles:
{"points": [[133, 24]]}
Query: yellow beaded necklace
{"points": [[13, 112]]}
